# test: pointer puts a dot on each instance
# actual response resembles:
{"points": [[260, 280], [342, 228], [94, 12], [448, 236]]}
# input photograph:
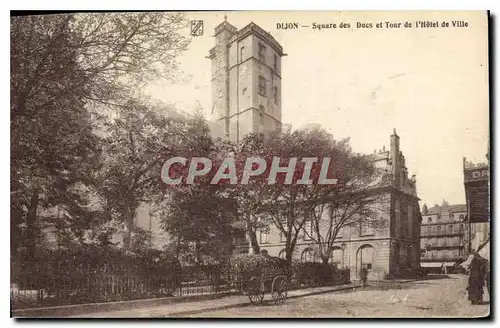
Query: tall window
{"points": [[242, 53], [282, 237], [340, 234], [262, 86], [308, 230], [450, 229], [264, 231], [275, 65], [275, 94], [262, 53], [438, 230], [337, 257], [366, 229]]}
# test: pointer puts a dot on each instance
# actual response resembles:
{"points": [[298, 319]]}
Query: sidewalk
{"points": [[182, 309]]}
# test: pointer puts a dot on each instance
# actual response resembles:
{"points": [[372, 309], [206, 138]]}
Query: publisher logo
{"points": [[197, 27]]}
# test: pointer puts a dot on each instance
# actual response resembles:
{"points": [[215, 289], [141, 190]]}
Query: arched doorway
{"points": [[365, 257], [282, 254], [308, 255]]}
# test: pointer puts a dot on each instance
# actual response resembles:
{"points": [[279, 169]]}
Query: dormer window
{"points": [[429, 220]]}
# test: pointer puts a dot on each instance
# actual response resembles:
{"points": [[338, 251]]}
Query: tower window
{"points": [[275, 94], [262, 86], [275, 63], [261, 114], [262, 53], [242, 53]]}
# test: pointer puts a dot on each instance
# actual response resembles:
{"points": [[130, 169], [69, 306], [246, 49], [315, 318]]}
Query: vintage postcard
{"points": [[249, 164]]}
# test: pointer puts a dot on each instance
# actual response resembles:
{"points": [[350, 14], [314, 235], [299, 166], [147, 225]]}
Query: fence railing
{"points": [[49, 291]]}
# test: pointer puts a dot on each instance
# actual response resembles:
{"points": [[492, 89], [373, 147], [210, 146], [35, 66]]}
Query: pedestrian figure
{"points": [[477, 275], [363, 274], [487, 278]]}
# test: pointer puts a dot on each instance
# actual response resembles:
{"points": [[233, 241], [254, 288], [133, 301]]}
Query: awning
{"points": [[431, 264], [485, 251]]}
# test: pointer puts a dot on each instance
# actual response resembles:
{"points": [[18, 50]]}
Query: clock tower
{"points": [[246, 80]]}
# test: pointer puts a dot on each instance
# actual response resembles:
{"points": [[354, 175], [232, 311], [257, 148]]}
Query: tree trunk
{"points": [[254, 242], [31, 225], [15, 231], [325, 259], [129, 224], [197, 252]]}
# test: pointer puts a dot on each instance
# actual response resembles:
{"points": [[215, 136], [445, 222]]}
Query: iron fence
{"points": [[50, 291], [96, 288]]}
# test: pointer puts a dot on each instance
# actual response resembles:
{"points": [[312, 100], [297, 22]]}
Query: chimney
{"points": [[395, 158]]}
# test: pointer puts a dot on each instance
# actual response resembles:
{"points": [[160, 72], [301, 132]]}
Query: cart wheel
{"points": [[279, 290], [255, 292]]}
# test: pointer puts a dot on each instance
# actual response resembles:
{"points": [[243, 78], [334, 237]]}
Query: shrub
{"points": [[245, 266], [90, 269], [318, 274]]}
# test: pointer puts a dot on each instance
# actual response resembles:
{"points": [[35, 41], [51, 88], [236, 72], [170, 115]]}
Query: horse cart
{"points": [[273, 280]]}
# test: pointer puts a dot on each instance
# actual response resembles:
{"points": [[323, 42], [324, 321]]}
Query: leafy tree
{"points": [[137, 143], [287, 205], [53, 147], [357, 202], [249, 195], [200, 215], [60, 66]]}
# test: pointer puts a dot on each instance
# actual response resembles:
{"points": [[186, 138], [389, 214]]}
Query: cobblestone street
{"points": [[428, 298]]}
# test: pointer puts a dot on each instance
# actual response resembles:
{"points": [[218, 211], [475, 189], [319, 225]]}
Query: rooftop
{"points": [[445, 207]]}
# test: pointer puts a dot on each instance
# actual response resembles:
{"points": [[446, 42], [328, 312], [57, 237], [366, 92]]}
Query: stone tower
{"points": [[246, 80]]}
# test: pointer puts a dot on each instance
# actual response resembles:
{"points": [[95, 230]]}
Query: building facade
{"points": [[444, 234], [246, 80], [391, 250], [246, 94], [477, 194]]}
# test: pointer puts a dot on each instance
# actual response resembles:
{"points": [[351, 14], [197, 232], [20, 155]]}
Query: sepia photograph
{"points": [[250, 164]]}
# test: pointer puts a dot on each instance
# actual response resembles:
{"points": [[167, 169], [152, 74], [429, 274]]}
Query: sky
{"points": [[430, 84]]}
